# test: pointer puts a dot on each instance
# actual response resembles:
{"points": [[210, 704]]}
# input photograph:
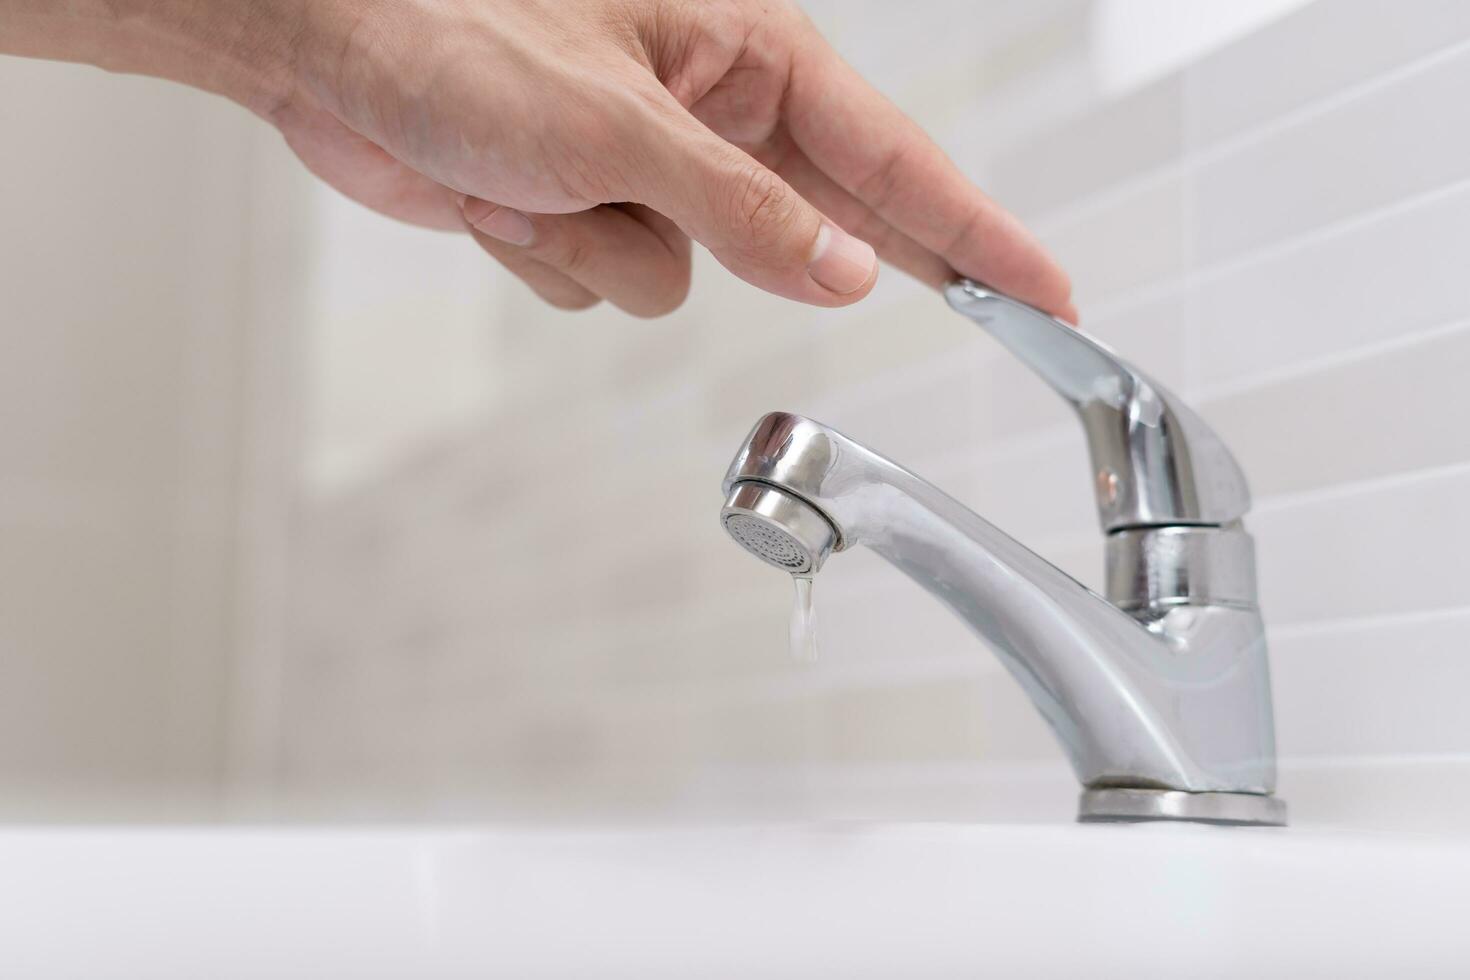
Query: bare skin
{"points": [[584, 143]]}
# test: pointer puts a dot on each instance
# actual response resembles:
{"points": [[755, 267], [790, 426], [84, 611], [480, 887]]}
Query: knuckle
{"points": [[884, 186], [969, 232], [655, 289], [562, 248], [763, 206], [576, 255], [873, 230], [569, 300], [663, 286]]}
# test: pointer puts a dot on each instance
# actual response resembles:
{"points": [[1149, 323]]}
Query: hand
{"points": [[584, 142]]}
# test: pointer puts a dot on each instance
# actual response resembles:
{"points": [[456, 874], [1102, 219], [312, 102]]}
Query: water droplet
{"points": [[803, 621]]}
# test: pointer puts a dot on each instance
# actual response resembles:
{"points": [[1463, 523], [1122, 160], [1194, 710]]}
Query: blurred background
{"points": [[307, 515]]}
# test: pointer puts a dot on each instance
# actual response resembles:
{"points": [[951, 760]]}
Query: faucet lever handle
{"points": [[1155, 462]]}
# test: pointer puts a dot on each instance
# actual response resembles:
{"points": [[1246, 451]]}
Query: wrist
{"points": [[242, 49]]}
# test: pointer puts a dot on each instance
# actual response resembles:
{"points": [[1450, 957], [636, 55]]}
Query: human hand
{"points": [[584, 142]]}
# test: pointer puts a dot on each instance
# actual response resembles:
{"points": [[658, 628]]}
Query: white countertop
{"points": [[851, 901]]}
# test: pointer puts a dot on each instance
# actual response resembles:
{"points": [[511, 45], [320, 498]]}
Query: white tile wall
{"points": [[1326, 294], [1403, 136], [539, 614], [1315, 58], [124, 321]]}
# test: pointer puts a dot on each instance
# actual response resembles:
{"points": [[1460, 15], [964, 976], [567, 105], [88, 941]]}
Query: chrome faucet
{"points": [[1159, 692]]}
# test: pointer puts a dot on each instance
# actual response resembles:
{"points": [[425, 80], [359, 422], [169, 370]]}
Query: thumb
{"points": [[752, 221]]}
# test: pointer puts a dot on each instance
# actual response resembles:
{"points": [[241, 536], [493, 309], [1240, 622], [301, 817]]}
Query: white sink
{"points": [[886, 901]]}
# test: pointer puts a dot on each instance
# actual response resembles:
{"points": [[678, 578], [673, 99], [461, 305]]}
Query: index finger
{"points": [[879, 155]]}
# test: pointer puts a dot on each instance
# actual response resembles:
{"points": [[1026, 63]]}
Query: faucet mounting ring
{"points": [[1120, 805]]}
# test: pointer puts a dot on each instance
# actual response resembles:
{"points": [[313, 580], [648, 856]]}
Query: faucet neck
{"points": [[1153, 568]]}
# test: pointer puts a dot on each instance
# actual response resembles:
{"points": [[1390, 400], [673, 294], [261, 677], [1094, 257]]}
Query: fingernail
{"points": [[505, 224], [840, 262]]}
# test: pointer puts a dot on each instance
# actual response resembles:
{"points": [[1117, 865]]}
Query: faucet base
{"points": [[1111, 805]]}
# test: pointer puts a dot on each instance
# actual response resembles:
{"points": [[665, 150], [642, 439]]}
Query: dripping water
{"points": [[803, 622]]}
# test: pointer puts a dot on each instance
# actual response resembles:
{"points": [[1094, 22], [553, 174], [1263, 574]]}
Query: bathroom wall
{"points": [[535, 611], [144, 273], [194, 335], [308, 515]]}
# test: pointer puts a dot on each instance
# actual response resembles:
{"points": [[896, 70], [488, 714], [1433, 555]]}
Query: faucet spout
{"points": [[1171, 697]]}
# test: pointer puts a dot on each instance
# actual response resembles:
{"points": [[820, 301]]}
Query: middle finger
{"points": [[635, 259]]}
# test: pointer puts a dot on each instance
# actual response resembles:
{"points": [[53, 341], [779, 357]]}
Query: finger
{"points": [[665, 229], [881, 157], [611, 251], [546, 282], [892, 245], [752, 221]]}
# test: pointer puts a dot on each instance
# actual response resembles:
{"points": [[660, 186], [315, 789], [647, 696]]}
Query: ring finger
{"points": [[636, 259]]}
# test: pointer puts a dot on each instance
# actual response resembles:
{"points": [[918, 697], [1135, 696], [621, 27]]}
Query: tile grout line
{"points": [[1126, 301], [1335, 99], [965, 771], [1341, 358], [1046, 222], [1188, 220], [1329, 231], [1354, 488], [1375, 759], [1352, 624]]}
